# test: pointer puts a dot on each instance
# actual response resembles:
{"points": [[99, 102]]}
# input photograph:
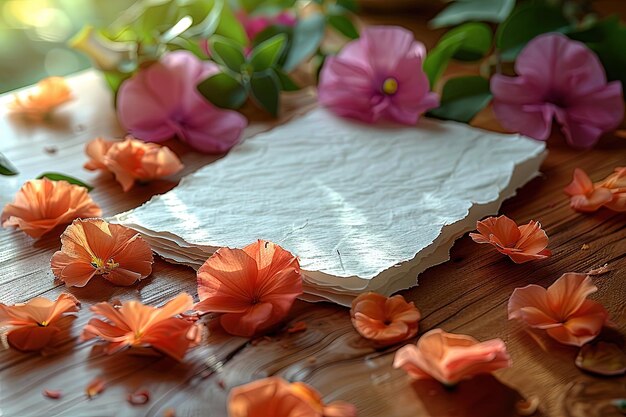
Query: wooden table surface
{"points": [[467, 295]]}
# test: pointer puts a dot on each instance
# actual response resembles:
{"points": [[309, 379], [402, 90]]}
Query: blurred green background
{"points": [[33, 36]]}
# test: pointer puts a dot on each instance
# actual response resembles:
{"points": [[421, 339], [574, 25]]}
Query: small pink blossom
{"points": [[161, 101], [560, 79], [378, 76], [255, 24]]}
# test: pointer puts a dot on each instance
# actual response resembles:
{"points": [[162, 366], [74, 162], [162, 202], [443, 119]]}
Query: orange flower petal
{"points": [[616, 183], [49, 93], [581, 184], [284, 399], [94, 247], [298, 326], [450, 358], [53, 394], [588, 197], [132, 160], [135, 324], [569, 292], [41, 205], [384, 320], [522, 244], [96, 150], [32, 326], [255, 286], [592, 201], [95, 387], [501, 227], [562, 310]]}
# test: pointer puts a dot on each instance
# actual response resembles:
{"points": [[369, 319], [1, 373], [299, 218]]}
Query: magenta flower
{"points": [[161, 101], [561, 79], [378, 76], [255, 24]]}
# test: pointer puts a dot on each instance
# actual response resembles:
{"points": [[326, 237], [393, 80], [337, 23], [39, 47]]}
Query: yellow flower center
{"points": [[43, 324], [103, 267], [390, 86]]}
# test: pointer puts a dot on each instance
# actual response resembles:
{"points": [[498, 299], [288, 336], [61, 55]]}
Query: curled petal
{"points": [[49, 93], [138, 325], [563, 310], [254, 287], [41, 205], [522, 244], [450, 358], [384, 320]]}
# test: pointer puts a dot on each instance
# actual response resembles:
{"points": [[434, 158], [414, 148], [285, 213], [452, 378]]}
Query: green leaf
{"points": [[526, 22], [266, 54], [210, 22], [230, 27], [286, 83], [182, 42], [344, 25], [266, 91], [473, 10], [156, 14], [6, 167], [224, 91], [307, 36], [258, 5], [115, 79], [55, 176], [607, 39], [350, 5], [227, 52], [470, 40], [462, 98], [270, 32]]}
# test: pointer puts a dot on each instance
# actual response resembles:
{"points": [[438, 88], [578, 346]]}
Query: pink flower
{"points": [[378, 76], [450, 358], [558, 78], [255, 24], [161, 101], [562, 310]]}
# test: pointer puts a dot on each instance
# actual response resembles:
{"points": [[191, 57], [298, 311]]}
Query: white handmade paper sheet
{"points": [[364, 207]]}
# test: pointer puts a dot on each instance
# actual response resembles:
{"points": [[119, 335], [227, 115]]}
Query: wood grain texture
{"points": [[467, 295]]}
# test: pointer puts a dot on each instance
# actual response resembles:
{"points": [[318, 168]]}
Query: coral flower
{"points": [[134, 324], [94, 247], [132, 160], [41, 205], [284, 399], [562, 310], [616, 183], [35, 325], [257, 23], [584, 196], [384, 320], [560, 79], [49, 94], [450, 358], [254, 287], [161, 101], [378, 76], [522, 244]]}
